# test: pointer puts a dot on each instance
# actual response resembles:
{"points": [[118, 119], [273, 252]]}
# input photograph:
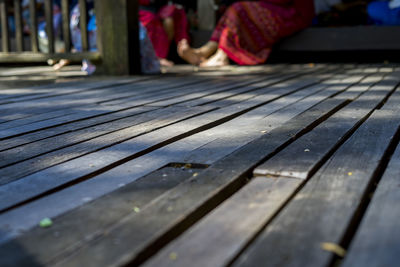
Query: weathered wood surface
{"points": [[174, 210], [225, 130], [159, 170], [309, 151], [220, 236], [326, 206], [377, 240]]}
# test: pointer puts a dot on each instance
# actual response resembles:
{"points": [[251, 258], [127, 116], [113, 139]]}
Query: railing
{"points": [[117, 35]]}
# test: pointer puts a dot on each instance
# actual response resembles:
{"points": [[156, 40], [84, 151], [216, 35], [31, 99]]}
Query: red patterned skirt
{"points": [[248, 30]]}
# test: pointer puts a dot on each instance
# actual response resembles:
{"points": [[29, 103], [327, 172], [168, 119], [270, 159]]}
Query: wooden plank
{"points": [[38, 127], [18, 26], [174, 211], [164, 155], [306, 154], [33, 119], [65, 25], [93, 127], [141, 99], [171, 94], [33, 27], [143, 95], [220, 236], [244, 84], [48, 13], [355, 91], [90, 97], [326, 205], [53, 90], [377, 238], [34, 57], [88, 141], [13, 172], [126, 200], [5, 34], [240, 88], [226, 98], [239, 132], [104, 115], [176, 96], [249, 118]]}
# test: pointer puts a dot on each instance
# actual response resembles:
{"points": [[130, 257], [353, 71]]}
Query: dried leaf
{"points": [[334, 248]]}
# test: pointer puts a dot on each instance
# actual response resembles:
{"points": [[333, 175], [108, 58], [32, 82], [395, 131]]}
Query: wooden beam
{"points": [[118, 36], [29, 57]]}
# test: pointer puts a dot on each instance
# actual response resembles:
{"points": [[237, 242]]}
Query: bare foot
{"points": [[189, 54], [62, 63], [165, 62], [208, 49], [219, 59]]}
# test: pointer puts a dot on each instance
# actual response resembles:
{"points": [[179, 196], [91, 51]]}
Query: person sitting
{"points": [[248, 30], [164, 23]]}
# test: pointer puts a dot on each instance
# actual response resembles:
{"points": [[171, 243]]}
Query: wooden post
{"points": [[65, 20], [34, 25], [5, 35], [83, 21], [118, 36], [18, 26], [48, 12]]}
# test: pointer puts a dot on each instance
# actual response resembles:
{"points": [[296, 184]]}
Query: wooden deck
{"points": [[278, 165]]}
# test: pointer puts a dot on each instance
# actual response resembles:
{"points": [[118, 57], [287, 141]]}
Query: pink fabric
{"points": [[156, 32], [155, 29]]}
